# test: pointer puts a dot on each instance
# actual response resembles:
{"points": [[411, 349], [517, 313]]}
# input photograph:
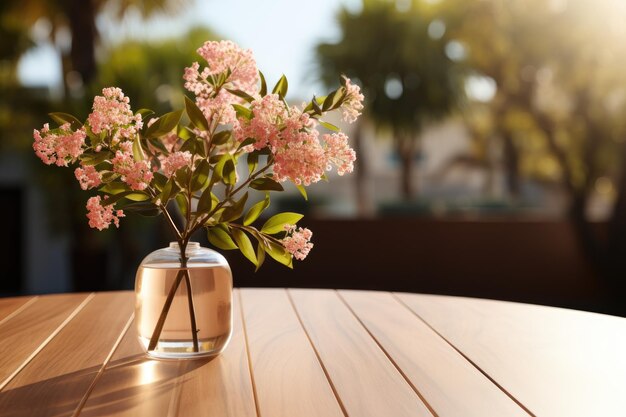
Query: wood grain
{"points": [[287, 374], [10, 306], [448, 382], [26, 331], [134, 385], [55, 381], [556, 362], [366, 380]]}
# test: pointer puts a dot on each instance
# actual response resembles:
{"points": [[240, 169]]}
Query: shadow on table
{"points": [[128, 383]]}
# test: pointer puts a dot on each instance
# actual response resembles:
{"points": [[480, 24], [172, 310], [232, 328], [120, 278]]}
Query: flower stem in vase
{"points": [[182, 273]]}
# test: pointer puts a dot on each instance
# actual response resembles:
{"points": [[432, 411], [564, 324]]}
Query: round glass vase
{"points": [[183, 307]]}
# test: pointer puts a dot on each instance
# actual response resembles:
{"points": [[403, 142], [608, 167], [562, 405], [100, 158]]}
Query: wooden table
{"points": [[299, 353]]}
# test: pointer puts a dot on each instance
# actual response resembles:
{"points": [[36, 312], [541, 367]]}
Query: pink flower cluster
{"points": [[100, 217], [354, 101], [175, 161], [112, 114], [297, 241], [290, 134], [221, 57], [88, 177], [58, 147], [339, 153], [137, 174]]}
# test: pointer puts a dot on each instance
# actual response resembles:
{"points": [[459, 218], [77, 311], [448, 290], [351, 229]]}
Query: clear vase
{"points": [[176, 294]]}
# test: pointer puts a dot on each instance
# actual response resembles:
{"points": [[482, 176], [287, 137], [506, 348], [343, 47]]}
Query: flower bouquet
{"points": [[235, 142]]}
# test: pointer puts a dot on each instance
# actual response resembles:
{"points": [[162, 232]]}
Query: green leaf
{"points": [[316, 107], [138, 153], [143, 209], [329, 126], [260, 256], [166, 194], [181, 201], [266, 184], [279, 253], [219, 238], [144, 113], [235, 211], [114, 188], [276, 224], [129, 195], [200, 175], [241, 94], [263, 91], [158, 144], [184, 132], [221, 138], [164, 124], [182, 177], [205, 203], [245, 246], [302, 191], [160, 180], [253, 161], [328, 101], [62, 118], [195, 115], [248, 141], [256, 210], [137, 196], [108, 176], [242, 111], [189, 146], [95, 158], [229, 174], [281, 87]]}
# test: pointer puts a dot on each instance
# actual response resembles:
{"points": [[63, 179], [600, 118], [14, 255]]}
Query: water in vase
{"points": [[211, 287]]}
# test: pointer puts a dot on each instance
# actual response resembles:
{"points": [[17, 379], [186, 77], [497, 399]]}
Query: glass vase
{"points": [[184, 304]]}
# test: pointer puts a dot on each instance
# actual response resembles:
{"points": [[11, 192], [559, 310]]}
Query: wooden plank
{"points": [[10, 306], [56, 380], [367, 382], [556, 362], [449, 383], [134, 385], [29, 329], [288, 378]]}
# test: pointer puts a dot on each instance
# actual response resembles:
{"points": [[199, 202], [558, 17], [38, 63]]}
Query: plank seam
{"points": [[319, 359], [48, 339], [380, 346], [106, 361], [493, 381], [19, 310], [245, 336]]}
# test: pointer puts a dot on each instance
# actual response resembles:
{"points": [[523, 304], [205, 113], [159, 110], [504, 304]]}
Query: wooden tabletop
{"points": [[299, 353]]}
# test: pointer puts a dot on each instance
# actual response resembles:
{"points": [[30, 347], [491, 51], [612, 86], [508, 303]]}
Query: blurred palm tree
{"points": [[559, 104], [79, 17], [408, 79]]}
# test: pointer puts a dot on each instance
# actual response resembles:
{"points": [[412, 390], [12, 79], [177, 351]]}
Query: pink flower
{"points": [[137, 174], [268, 113], [88, 177], [221, 57], [59, 146], [302, 162], [339, 153], [353, 103], [100, 217], [175, 161], [297, 241], [112, 114]]}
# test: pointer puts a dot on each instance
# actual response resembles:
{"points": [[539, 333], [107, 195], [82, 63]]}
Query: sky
{"points": [[281, 33]]}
